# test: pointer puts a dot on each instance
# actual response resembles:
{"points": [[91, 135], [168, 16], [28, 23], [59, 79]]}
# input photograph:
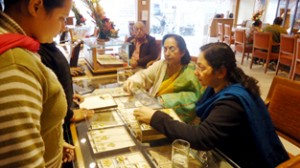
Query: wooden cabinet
{"points": [[214, 25]]}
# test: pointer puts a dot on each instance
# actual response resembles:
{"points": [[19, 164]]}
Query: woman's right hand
{"points": [[129, 86], [126, 86], [144, 114]]}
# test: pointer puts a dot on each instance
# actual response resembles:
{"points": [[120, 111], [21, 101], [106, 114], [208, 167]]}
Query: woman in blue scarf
{"points": [[233, 116]]}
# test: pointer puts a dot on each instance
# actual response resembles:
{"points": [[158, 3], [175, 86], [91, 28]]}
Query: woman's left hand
{"points": [[82, 114], [144, 114], [133, 63], [68, 152], [78, 98]]}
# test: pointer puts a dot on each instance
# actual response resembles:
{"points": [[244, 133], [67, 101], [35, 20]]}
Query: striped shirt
{"points": [[32, 108]]}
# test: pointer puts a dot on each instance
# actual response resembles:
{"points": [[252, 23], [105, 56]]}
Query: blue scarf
{"points": [[259, 121]]}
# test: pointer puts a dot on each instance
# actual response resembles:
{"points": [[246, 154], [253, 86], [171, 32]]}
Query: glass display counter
{"points": [[109, 139], [105, 57]]}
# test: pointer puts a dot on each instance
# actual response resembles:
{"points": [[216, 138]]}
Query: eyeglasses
{"points": [[170, 49], [200, 67]]}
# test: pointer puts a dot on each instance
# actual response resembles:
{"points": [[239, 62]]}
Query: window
{"points": [[119, 12], [189, 18]]}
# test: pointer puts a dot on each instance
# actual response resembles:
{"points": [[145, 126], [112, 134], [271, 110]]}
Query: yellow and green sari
{"points": [[181, 91]]}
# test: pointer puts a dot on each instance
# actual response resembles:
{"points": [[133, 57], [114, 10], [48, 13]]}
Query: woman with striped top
{"points": [[32, 102]]}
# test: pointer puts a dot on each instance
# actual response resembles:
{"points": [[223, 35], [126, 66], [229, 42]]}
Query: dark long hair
{"points": [[219, 55], [182, 47], [278, 21], [257, 23], [48, 4]]}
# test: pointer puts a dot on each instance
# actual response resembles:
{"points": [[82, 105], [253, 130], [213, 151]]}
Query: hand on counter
{"points": [[144, 114], [81, 114], [133, 63], [77, 98], [131, 87], [76, 71]]}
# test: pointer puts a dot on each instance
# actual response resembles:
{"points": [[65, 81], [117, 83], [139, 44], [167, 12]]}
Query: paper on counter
{"points": [[98, 102]]}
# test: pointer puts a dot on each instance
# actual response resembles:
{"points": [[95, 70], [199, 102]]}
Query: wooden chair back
{"points": [[283, 102], [159, 48], [241, 43], [296, 69], [194, 59], [228, 37], [283, 105], [220, 32], [286, 52], [291, 163], [70, 20], [262, 48], [75, 52]]}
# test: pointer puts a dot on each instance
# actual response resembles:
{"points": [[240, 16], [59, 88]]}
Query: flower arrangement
{"points": [[106, 27], [79, 18], [109, 28], [256, 16]]}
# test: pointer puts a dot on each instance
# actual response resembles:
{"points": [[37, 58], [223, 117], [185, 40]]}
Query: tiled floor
{"points": [[257, 71]]}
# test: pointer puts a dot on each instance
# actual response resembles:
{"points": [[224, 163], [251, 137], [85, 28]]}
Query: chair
{"points": [[70, 20], [291, 163], [158, 47], [213, 27], [194, 59], [220, 32], [228, 37], [262, 48], [283, 105], [241, 44], [286, 52], [296, 69], [75, 52]]}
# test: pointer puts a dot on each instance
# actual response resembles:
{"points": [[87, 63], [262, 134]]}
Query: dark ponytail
{"points": [[220, 55]]}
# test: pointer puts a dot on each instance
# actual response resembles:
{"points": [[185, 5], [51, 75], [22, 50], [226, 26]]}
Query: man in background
{"points": [[143, 47], [276, 30]]}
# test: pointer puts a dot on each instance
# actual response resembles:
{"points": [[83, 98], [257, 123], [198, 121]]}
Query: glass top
{"points": [[109, 137], [94, 42]]}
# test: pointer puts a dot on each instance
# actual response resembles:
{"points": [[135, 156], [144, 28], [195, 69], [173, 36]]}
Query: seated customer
{"points": [[143, 48], [234, 118], [171, 80], [276, 30], [256, 27]]}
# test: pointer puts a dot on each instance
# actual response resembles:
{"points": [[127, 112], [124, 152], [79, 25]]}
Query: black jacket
{"points": [[54, 59], [148, 50]]}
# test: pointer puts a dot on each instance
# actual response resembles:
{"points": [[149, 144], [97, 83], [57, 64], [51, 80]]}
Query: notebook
{"points": [[98, 102]]}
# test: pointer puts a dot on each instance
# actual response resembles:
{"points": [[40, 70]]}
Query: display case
{"points": [[106, 57], [110, 139]]}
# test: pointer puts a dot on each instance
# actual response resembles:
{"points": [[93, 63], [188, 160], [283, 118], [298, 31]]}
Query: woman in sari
{"points": [[171, 80], [234, 118]]}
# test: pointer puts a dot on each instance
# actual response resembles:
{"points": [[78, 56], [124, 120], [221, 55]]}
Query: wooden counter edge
{"points": [[79, 158]]}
